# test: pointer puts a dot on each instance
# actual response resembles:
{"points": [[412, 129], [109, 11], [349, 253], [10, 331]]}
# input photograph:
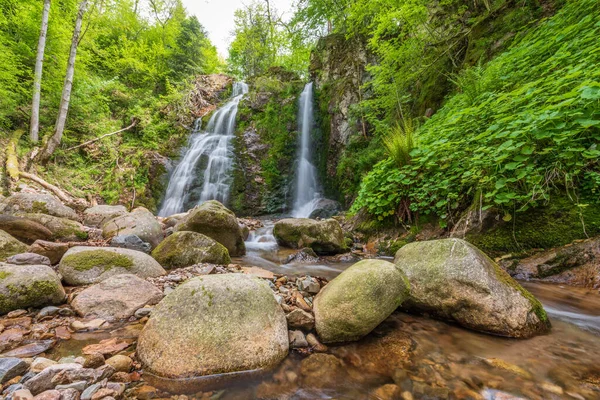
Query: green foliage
{"points": [[400, 142], [529, 125]]}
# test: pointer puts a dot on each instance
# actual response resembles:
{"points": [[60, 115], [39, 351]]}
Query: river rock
{"points": [[324, 237], [359, 299], [325, 208], [54, 251], [300, 319], [97, 216], [185, 248], [453, 280], [172, 220], [23, 286], [11, 367], [139, 222], [63, 229], [38, 203], [24, 229], [214, 324], [214, 220], [132, 242], [85, 265], [120, 363], [28, 259], [43, 381], [9, 246], [303, 256], [117, 297]]}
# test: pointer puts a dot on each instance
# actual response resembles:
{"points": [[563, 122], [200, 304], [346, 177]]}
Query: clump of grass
{"points": [[401, 141]]}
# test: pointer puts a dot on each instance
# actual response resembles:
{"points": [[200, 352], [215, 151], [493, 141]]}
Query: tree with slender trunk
{"points": [[56, 138], [37, 81]]}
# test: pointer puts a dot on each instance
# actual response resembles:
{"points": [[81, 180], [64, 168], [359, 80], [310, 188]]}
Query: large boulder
{"points": [[325, 208], [216, 324], [117, 297], [62, 229], [140, 222], [185, 248], [37, 203], [214, 220], [9, 246], [324, 237], [359, 299], [453, 280], [23, 286], [83, 265], [24, 229], [96, 216]]}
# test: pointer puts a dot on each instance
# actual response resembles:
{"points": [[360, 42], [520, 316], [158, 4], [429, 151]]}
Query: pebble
{"points": [[28, 259], [309, 284], [93, 360], [66, 312], [300, 319], [69, 394], [16, 313], [315, 344], [41, 363], [297, 339], [102, 393], [85, 325], [142, 312], [90, 391], [79, 386], [120, 363], [48, 312], [22, 394]]}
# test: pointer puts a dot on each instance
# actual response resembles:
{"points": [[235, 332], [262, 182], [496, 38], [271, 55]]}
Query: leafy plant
{"points": [[400, 142]]}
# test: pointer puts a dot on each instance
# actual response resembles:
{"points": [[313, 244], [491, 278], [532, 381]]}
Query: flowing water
{"points": [[204, 172], [306, 190]]}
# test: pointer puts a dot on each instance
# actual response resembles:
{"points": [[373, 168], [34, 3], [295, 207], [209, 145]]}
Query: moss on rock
{"points": [[185, 248], [94, 258], [324, 237], [26, 286], [9, 246]]}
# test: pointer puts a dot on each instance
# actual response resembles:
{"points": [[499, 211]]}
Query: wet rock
{"points": [[120, 363], [62, 229], [359, 299], [300, 319], [386, 392], [87, 325], [452, 279], [324, 237], [297, 339], [38, 203], [185, 248], [43, 381], [23, 229], [9, 246], [314, 343], [214, 324], [132, 242], [322, 370], [40, 363], [23, 286], [98, 215], [117, 297], [309, 284], [303, 256], [85, 265], [28, 259], [54, 251], [48, 312], [139, 222], [106, 347], [325, 208], [217, 222], [11, 367]]}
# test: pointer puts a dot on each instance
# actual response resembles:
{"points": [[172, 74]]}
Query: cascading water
{"points": [[204, 172], [306, 192]]}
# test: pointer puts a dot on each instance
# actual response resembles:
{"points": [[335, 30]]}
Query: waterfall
{"points": [[306, 192], [204, 172]]}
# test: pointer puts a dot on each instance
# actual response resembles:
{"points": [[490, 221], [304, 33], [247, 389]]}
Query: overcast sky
{"points": [[217, 17]]}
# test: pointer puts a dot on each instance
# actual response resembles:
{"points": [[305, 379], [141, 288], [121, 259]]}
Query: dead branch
{"points": [[134, 123], [62, 195]]}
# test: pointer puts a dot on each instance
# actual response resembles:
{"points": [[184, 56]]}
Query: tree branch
{"points": [[103, 136]]}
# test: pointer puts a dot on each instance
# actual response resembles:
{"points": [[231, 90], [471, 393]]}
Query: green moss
{"points": [[4, 274], [86, 260], [36, 293], [39, 207]]}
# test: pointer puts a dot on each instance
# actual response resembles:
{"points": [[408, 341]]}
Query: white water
{"points": [[306, 191], [192, 182]]}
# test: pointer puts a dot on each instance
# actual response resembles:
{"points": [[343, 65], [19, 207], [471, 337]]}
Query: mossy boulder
{"points": [[83, 265], [9, 246], [37, 203], [62, 229], [214, 220], [98, 215], [216, 324], [23, 286], [24, 229], [453, 280], [324, 237], [185, 248], [359, 299], [140, 222]]}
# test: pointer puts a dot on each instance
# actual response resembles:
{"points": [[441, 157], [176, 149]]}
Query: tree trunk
{"points": [[37, 81], [55, 140]]}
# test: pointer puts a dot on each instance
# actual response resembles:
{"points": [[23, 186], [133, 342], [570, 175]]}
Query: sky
{"points": [[217, 17]]}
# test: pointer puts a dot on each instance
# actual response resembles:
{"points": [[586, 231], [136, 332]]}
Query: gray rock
{"points": [[453, 280], [62, 229], [69, 394], [85, 265], [300, 319], [43, 381], [23, 229], [38, 203], [11, 367], [297, 339], [79, 386], [54, 251], [325, 208], [303, 256], [89, 375], [185, 248], [48, 311], [28, 259], [142, 312], [9, 246], [139, 222], [98, 215], [309, 284], [324, 237], [132, 242], [89, 392], [117, 297]]}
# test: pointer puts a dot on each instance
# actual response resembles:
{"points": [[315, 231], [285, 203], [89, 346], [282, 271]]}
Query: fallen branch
{"points": [[134, 123], [62, 195]]}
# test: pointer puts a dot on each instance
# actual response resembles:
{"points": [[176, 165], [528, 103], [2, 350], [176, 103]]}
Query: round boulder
{"points": [[359, 299], [324, 237], [139, 222], [325, 208], [185, 248], [83, 265], [27, 231], [96, 216], [62, 229], [216, 324], [454, 280], [38, 204], [9, 246], [23, 286]]}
